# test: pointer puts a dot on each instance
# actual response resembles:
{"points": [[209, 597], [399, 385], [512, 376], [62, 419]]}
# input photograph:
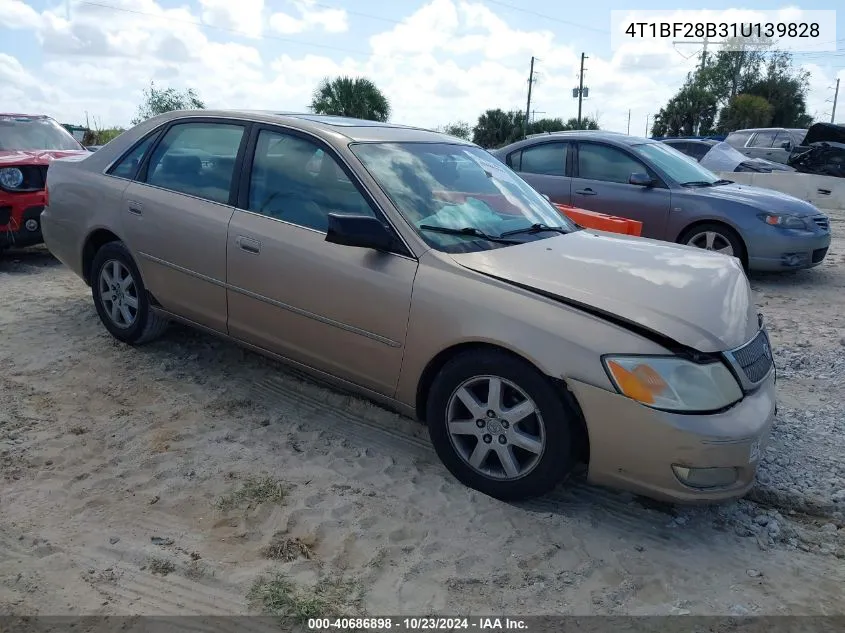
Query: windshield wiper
{"points": [[722, 181], [698, 183], [535, 228], [468, 231]]}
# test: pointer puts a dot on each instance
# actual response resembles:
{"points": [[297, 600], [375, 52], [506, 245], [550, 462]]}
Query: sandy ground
{"points": [[173, 478]]}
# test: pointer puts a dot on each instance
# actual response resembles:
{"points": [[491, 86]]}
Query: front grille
{"points": [[822, 222], [5, 215], [755, 358], [819, 255]]}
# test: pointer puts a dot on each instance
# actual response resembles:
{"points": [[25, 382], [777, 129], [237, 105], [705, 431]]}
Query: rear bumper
{"points": [[20, 219], [636, 448], [788, 250]]}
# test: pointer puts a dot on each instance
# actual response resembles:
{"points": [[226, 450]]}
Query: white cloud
{"points": [[311, 17], [15, 14], [447, 60], [244, 16]]}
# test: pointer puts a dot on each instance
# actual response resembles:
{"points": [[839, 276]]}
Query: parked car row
{"points": [[442, 281], [420, 271]]}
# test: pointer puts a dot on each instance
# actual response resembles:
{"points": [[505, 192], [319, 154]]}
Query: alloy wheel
{"points": [[495, 427], [711, 241], [118, 293]]}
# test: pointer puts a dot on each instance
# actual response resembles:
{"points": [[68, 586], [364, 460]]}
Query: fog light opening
{"points": [[703, 478], [791, 260], [31, 225]]}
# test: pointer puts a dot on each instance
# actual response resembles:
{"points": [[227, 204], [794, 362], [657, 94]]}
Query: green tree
{"points": [[160, 100], [461, 129], [692, 110], [496, 128], [745, 111], [352, 97], [785, 88], [559, 125]]}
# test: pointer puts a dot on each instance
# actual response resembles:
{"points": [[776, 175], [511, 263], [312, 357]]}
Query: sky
{"points": [[437, 61]]}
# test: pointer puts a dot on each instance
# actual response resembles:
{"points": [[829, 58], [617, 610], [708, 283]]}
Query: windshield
{"points": [[455, 187], [679, 167], [34, 133]]}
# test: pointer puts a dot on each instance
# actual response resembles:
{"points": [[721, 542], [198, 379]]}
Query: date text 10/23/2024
{"points": [[401, 623]]}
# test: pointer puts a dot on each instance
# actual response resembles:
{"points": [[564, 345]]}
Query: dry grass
{"points": [[254, 491], [286, 548], [278, 596]]}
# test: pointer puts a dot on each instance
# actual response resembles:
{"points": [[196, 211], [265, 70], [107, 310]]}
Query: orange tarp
{"points": [[587, 219], [601, 221]]}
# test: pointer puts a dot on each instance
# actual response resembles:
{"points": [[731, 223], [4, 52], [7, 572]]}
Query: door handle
{"points": [[586, 192], [134, 207], [248, 244]]}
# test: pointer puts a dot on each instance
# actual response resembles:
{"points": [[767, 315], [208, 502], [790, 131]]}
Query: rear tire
{"points": [[513, 446], [120, 296]]}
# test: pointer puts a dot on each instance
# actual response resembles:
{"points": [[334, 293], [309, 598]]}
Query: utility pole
{"points": [[835, 97], [646, 124], [704, 54], [581, 88], [629, 121], [528, 105]]}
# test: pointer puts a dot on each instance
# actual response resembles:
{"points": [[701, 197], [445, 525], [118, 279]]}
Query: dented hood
{"points": [[697, 298]]}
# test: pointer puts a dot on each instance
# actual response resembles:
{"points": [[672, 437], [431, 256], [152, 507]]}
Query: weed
{"points": [[286, 548], [278, 596], [254, 491], [161, 566]]}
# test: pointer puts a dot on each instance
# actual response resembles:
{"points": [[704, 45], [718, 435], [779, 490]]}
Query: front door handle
{"points": [[248, 244], [135, 207], [586, 192]]}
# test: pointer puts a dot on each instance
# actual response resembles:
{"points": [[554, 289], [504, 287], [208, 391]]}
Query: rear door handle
{"points": [[248, 244], [135, 208], [586, 192]]}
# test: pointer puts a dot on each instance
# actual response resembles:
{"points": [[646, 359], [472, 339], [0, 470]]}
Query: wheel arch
{"points": [[96, 239], [720, 222], [437, 363]]}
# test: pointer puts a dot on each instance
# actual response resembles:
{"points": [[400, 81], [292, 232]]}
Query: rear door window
{"points": [[197, 159], [548, 159], [763, 139]]}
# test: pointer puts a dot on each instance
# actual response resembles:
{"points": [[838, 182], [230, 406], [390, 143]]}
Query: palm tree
{"points": [[345, 96]]}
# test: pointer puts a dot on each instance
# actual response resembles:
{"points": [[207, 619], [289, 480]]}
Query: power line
{"points": [[546, 17]]}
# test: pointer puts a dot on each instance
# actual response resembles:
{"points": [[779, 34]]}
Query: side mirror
{"points": [[362, 231], [640, 179], [786, 145]]}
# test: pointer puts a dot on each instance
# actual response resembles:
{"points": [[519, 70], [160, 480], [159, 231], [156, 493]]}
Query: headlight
{"points": [[672, 383], [784, 220], [11, 177]]}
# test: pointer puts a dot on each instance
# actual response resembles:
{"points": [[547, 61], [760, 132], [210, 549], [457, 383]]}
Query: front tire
{"points": [[499, 426], [716, 237], [121, 298]]}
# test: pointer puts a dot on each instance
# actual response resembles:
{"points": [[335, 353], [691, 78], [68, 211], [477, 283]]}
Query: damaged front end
{"points": [[822, 152]]}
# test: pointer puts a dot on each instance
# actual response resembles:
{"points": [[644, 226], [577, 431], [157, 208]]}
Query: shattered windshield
{"points": [[34, 134], [460, 198]]}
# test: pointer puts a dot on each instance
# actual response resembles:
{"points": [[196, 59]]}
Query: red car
{"points": [[28, 143]]}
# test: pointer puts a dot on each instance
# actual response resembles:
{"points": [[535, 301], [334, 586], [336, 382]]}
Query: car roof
{"points": [[353, 129], [706, 141], [618, 137], [15, 115]]}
